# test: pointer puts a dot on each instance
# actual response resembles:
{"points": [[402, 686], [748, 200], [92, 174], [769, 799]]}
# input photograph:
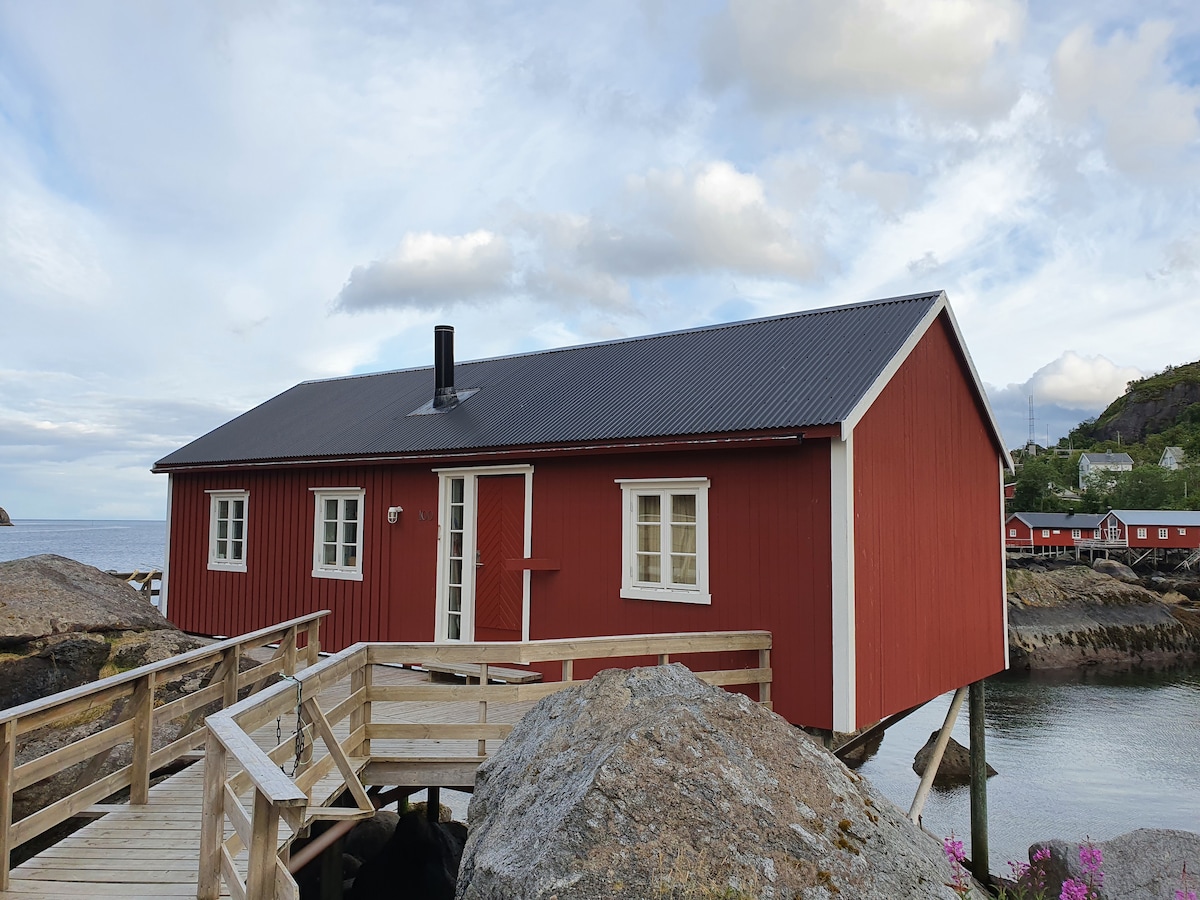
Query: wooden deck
{"points": [[364, 719], [139, 852]]}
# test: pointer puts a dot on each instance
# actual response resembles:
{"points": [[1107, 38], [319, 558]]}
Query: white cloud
{"points": [[1147, 121], [813, 52], [1081, 382], [431, 271], [709, 219]]}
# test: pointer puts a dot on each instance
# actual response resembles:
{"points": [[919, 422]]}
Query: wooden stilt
{"points": [[433, 803], [935, 760], [978, 757]]}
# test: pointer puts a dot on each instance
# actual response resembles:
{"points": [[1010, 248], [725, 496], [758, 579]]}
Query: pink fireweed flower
{"points": [[1074, 890], [1091, 859], [1041, 855], [953, 849], [1184, 893]]}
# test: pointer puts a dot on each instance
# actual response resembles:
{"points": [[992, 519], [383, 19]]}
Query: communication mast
{"points": [[1031, 445]]}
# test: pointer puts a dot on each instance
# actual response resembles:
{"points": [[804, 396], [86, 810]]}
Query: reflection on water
{"points": [[1080, 754]]}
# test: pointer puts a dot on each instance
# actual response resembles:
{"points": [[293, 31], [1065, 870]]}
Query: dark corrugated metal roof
{"points": [[1060, 520], [802, 369]]}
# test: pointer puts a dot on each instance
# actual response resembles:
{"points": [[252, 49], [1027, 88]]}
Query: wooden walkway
{"points": [[370, 721], [152, 850]]}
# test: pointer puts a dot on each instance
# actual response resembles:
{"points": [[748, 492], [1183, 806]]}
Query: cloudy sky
{"points": [[203, 203]]}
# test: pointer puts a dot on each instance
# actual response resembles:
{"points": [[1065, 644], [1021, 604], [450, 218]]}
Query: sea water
{"points": [[1080, 753], [110, 545]]}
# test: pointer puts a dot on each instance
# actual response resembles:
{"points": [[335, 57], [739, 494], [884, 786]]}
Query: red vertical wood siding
{"points": [[929, 597], [395, 599], [770, 563]]}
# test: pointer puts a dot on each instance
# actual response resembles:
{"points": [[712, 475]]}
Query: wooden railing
{"points": [[135, 693], [244, 784]]}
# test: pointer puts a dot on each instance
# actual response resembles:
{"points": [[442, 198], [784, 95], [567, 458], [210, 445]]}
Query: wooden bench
{"points": [[470, 671]]}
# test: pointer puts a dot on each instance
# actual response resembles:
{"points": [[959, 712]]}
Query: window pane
{"points": [[351, 510], [239, 509], [350, 556], [649, 538], [237, 549], [456, 571], [238, 525], [350, 533], [222, 529], [456, 543], [331, 510], [329, 554], [221, 551], [456, 518], [683, 507], [454, 599], [648, 568], [454, 628], [456, 490], [649, 506], [683, 538], [222, 509], [330, 532], [683, 569]]}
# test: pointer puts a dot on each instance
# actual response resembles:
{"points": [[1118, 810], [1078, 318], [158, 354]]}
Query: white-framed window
{"points": [[1012, 532], [1141, 532], [1076, 534], [1182, 532], [1162, 534], [664, 525], [227, 530], [1045, 532], [1096, 534], [337, 533]]}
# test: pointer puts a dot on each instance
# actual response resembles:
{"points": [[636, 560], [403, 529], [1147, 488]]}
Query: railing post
{"points": [[361, 679], [289, 650], [764, 688], [229, 660], [264, 844], [143, 738], [212, 820], [314, 642], [8, 753]]}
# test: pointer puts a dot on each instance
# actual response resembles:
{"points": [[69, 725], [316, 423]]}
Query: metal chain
{"points": [[300, 745]]}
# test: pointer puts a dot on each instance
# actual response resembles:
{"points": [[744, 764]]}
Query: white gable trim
{"points": [[889, 372], [841, 540], [1004, 570]]}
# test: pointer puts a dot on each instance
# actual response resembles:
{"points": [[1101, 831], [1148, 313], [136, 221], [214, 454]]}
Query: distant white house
{"points": [[1091, 464], [1172, 458]]}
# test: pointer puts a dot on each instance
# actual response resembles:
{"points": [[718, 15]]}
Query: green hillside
{"points": [[1154, 413]]}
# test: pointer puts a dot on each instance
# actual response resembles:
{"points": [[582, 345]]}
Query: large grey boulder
{"points": [[1115, 569], [47, 595], [650, 783], [1142, 865], [955, 765]]}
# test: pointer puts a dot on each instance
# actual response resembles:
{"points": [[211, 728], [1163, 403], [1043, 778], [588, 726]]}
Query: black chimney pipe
{"points": [[444, 396]]}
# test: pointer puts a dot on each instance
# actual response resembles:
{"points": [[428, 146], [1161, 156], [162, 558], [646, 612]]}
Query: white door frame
{"points": [[470, 476]]}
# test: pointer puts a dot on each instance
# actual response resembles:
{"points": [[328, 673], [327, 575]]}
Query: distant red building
{"points": [[1050, 531], [797, 474]]}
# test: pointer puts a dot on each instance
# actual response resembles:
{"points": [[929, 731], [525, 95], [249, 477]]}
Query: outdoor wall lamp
{"points": [[394, 514]]}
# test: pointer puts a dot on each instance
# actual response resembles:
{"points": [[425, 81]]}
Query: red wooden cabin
{"points": [[1051, 531], [799, 474], [1157, 529]]}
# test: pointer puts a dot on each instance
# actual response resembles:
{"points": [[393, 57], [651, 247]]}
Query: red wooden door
{"points": [[499, 535]]}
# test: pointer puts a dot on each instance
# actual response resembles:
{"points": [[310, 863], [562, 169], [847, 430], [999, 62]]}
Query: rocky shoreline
{"points": [[1066, 614]]}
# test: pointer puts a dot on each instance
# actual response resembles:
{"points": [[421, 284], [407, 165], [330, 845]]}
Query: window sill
{"points": [[668, 596], [226, 567], [338, 575]]}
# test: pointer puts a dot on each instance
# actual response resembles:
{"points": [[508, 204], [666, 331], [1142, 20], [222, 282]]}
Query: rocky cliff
{"points": [[1151, 405], [1077, 616]]}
